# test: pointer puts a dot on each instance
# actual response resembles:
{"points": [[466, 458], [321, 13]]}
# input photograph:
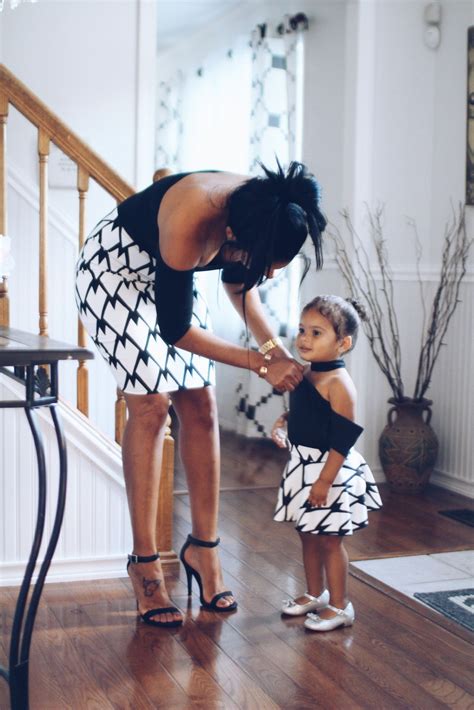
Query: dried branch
{"points": [[382, 333], [446, 298], [376, 293]]}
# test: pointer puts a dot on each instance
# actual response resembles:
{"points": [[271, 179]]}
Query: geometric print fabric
{"points": [[353, 493], [115, 295]]}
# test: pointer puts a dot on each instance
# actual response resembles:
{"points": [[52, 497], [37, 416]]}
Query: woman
{"points": [[137, 299]]}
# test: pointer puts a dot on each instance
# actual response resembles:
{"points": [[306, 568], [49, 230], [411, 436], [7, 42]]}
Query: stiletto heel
{"points": [[147, 617], [191, 572], [189, 576]]}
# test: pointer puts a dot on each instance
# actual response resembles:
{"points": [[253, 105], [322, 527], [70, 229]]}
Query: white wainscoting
{"points": [[62, 312], [95, 536]]}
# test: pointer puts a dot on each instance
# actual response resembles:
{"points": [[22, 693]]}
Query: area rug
{"points": [[458, 604], [462, 515]]}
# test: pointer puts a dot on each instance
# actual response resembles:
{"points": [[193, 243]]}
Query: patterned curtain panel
{"points": [[199, 122], [169, 123], [275, 132]]}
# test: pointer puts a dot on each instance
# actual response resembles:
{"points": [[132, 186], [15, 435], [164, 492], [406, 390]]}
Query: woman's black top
{"points": [[138, 215], [312, 422]]}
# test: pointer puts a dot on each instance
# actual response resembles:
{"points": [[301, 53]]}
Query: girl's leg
{"points": [[313, 565], [199, 449], [336, 566], [142, 451]]}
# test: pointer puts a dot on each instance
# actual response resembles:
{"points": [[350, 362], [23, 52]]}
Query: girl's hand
{"points": [[284, 374], [318, 495], [279, 433]]}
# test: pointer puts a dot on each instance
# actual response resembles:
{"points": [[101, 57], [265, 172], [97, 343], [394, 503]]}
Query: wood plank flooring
{"points": [[90, 652]]}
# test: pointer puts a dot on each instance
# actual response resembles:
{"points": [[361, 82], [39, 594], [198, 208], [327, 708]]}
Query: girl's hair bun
{"points": [[358, 307]]}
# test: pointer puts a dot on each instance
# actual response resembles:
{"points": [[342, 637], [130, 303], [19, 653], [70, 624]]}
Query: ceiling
{"points": [[177, 18]]}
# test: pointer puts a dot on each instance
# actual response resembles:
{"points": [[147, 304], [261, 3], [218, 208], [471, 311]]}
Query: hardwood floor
{"points": [[89, 651]]}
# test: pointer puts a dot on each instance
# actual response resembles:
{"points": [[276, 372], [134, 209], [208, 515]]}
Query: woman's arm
{"points": [[254, 316], [283, 374]]}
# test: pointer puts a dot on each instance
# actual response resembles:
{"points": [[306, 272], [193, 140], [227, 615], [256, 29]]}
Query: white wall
{"points": [[408, 125], [93, 64], [87, 61]]}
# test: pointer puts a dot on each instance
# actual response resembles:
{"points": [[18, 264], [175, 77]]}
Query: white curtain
{"points": [[275, 132], [203, 113]]}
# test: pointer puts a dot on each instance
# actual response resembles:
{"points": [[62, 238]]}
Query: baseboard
{"points": [[79, 570], [444, 480], [11, 574]]}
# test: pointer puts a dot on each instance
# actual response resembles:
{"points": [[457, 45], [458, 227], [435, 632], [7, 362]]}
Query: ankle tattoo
{"points": [[150, 586]]}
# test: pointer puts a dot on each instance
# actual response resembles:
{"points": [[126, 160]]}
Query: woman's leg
{"points": [[199, 449], [142, 452], [336, 566], [313, 565]]}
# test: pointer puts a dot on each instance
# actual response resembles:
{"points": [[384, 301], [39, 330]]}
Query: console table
{"points": [[34, 360]]}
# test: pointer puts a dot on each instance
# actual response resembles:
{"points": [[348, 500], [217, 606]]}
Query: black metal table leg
{"points": [[21, 637], [34, 360], [19, 668]]}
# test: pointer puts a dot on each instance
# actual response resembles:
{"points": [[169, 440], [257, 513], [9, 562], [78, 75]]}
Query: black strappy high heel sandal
{"points": [[191, 572], [147, 617]]}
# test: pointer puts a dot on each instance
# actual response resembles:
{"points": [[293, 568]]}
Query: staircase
{"points": [[96, 532]]}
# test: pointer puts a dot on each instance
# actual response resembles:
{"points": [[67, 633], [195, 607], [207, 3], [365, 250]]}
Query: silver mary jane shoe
{"points": [[344, 617], [291, 608]]}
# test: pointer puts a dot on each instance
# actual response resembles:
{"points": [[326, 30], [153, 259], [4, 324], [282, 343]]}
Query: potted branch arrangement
{"points": [[408, 446]]}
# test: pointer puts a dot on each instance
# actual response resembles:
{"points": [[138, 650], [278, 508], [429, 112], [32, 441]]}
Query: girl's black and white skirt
{"points": [[115, 296], [350, 497]]}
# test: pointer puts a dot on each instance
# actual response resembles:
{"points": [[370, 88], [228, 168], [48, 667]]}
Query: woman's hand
{"points": [[284, 373], [318, 494], [279, 433]]}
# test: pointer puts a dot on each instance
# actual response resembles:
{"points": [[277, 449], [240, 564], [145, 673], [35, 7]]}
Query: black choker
{"points": [[326, 366]]}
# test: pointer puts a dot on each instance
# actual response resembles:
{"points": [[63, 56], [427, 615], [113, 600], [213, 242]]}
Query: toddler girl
{"points": [[327, 487]]}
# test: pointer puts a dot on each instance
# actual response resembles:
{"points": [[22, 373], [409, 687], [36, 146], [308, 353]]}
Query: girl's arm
{"points": [[279, 431], [342, 397]]}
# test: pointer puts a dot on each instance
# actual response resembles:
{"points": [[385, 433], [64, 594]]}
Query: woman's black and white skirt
{"points": [[351, 496], [115, 296]]}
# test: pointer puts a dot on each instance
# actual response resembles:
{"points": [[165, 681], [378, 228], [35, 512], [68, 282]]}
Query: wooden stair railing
{"points": [[89, 166]]}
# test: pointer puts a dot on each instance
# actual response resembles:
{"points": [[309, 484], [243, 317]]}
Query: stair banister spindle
{"points": [[43, 153], [82, 370], [120, 416], [4, 300]]}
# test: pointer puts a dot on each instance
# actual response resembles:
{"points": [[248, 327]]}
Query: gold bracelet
{"points": [[269, 345], [263, 369]]}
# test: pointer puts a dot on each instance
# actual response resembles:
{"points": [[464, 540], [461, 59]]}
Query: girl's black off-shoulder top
{"points": [[312, 422]]}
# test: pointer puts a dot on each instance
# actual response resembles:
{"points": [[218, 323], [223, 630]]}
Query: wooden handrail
{"points": [[89, 165], [41, 116]]}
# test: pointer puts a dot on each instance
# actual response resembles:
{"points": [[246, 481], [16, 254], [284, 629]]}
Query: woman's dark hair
{"points": [[344, 314], [271, 216]]}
